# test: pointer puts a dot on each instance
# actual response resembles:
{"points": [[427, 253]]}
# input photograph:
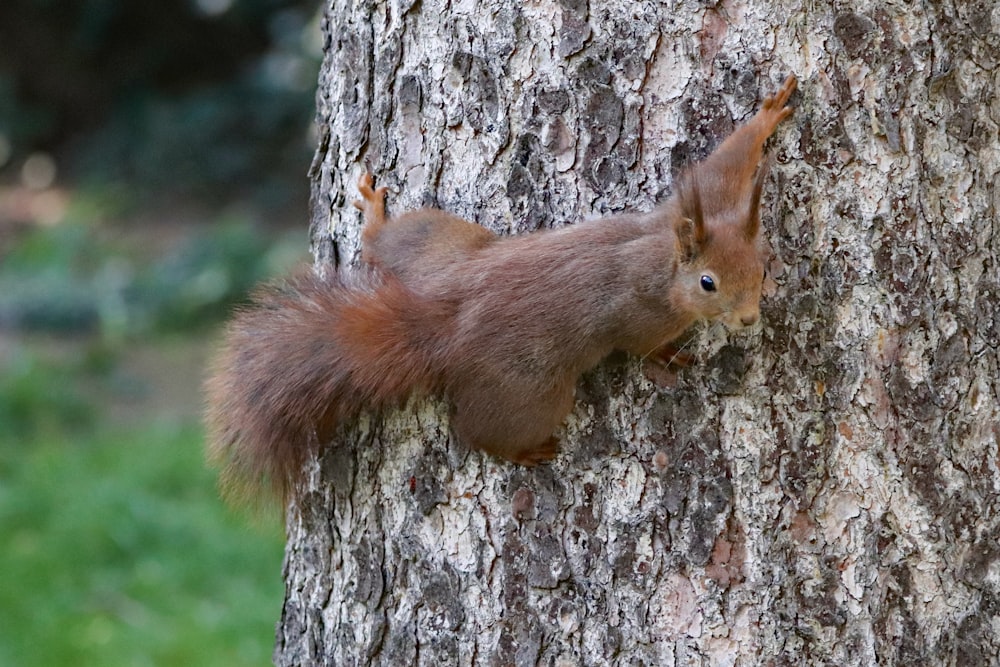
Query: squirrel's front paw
{"points": [[776, 104]]}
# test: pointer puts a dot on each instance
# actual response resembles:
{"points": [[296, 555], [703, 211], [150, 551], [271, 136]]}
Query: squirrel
{"points": [[501, 327]]}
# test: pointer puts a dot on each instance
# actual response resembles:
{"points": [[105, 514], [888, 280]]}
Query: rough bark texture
{"points": [[820, 491]]}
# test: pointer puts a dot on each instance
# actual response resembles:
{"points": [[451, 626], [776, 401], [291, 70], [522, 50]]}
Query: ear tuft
{"points": [[690, 226], [752, 227]]}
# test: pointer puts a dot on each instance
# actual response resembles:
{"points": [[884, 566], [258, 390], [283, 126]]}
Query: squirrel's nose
{"points": [[749, 319]]}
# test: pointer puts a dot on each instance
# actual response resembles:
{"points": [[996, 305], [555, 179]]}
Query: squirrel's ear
{"points": [[690, 226], [753, 215]]}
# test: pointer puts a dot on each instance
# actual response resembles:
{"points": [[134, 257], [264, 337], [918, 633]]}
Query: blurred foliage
{"points": [[200, 280], [41, 398], [77, 277], [117, 549], [117, 552], [202, 98]]}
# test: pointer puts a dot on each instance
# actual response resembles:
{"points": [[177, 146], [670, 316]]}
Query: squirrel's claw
{"points": [[672, 357], [778, 101], [775, 109]]}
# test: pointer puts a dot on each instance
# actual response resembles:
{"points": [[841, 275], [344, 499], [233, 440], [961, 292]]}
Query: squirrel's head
{"points": [[720, 270]]}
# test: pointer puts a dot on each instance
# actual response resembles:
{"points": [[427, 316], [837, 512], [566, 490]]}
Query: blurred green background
{"points": [[153, 163]]}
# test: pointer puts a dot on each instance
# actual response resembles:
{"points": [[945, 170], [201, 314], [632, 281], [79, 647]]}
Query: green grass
{"points": [[114, 546], [117, 551]]}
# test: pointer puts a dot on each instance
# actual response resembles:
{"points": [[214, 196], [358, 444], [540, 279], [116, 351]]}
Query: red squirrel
{"points": [[501, 327]]}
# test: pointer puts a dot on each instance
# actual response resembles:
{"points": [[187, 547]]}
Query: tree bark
{"points": [[820, 491]]}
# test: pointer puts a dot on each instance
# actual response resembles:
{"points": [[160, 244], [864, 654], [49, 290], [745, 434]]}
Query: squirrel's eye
{"points": [[707, 283]]}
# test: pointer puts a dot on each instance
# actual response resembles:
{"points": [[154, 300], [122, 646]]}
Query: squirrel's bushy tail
{"points": [[304, 356]]}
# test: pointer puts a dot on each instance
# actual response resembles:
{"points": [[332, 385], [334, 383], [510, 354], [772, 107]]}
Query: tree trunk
{"points": [[820, 491]]}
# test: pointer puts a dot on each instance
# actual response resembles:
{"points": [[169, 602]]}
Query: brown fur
{"points": [[501, 327]]}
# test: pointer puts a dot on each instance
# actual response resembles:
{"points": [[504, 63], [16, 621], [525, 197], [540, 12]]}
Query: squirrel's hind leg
{"points": [[536, 454], [516, 427], [372, 204]]}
